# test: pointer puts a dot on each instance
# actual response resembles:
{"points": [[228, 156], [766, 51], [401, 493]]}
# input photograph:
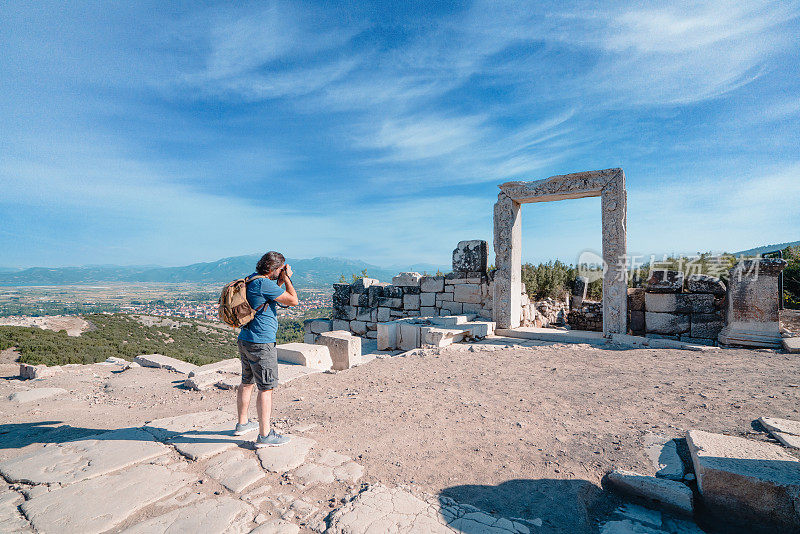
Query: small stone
{"points": [[411, 279]]}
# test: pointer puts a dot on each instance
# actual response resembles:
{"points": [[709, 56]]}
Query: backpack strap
{"points": [[248, 280]]}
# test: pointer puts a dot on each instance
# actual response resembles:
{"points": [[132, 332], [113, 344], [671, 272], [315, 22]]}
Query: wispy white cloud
{"points": [[715, 214]]}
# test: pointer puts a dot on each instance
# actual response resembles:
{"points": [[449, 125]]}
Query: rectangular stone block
{"points": [[393, 292], [667, 323], [448, 288], [706, 325], [28, 371], [372, 326], [229, 365], [354, 299], [387, 335], [384, 314], [348, 313], [371, 334], [391, 302], [317, 326], [444, 297], [408, 336], [367, 315], [427, 299], [411, 302], [411, 279], [452, 308], [703, 283], [441, 337], [471, 256], [338, 324], [746, 481], [341, 294], [357, 327], [344, 348], [427, 311], [636, 299], [165, 362], [467, 293], [313, 356], [361, 285], [672, 494], [637, 325], [479, 329], [662, 281], [471, 307], [432, 284], [310, 338]]}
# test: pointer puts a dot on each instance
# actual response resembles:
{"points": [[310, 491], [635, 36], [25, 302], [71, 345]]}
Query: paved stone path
{"points": [[188, 473], [398, 510]]}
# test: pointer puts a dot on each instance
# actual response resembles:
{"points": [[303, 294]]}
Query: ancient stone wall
{"points": [[360, 306], [691, 311], [587, 316]]}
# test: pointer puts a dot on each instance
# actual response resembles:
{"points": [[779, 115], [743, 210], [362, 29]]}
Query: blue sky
{"points": [[171, 133]]}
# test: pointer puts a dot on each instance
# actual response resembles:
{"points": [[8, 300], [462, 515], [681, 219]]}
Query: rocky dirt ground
{"points": [[518, 430]]}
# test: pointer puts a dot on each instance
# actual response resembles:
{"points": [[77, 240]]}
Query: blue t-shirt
{"points": [[264, 326]]}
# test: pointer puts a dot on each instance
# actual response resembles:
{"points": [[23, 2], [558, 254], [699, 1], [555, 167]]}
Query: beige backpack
{"points": [[234, 310]]}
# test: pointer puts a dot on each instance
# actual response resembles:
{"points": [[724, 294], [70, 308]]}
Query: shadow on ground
{"points": [[564, 506], [19, 435]]}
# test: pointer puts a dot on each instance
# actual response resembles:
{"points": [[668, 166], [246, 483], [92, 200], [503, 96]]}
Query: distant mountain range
{"points": [[766, 248], [309, 273]]}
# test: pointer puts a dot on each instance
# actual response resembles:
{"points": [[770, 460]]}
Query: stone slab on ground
{"points": [[670, 494], [311, 473], [746, 480], [219, 515], [228, 365], [286, 457], [314, 356], [165, 362], [102, 503], [634, 519], [396, 510], [198, 435], [787, 440], [663, 454], [555, 335], [35, 394], [791, 344], [349, 472], [332, 458], [75, 461], [775, 424], [236, 470], [29, 372], [288, 372], [11, 520]]}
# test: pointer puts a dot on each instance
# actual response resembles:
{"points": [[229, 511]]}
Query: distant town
{"points": [[161, 299]]}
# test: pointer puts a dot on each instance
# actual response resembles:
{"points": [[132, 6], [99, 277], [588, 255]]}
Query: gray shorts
{"points": [[259, 364]]}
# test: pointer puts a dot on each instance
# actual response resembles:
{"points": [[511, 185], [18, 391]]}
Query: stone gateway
{"points": [[609, 184]]}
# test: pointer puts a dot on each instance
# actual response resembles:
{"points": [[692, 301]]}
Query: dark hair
{"points": [[269, 262]]}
